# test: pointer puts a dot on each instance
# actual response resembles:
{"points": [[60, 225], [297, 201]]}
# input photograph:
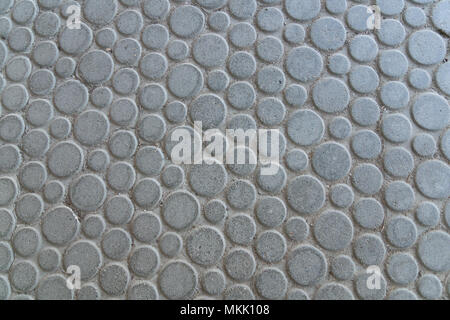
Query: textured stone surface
{"points": [[87, 177]]}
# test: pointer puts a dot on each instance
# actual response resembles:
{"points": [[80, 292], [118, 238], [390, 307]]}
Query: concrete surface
{"points": [[85, 172]]}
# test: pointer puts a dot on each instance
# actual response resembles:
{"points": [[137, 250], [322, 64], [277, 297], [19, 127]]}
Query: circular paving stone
{"points": [[32, 176], [116, 244], [240, 264], [86, 255], [391, 33], [96, 67], [106, 38], [88, 192], [294, 33], [430, 287], [114, 279], [432, 179], [402, 268], [186, 21], [343, 267], [297, 229], [445, 144], [10, 158], [419, 79], [205, 246], [6, 256], [364, 79], [71, 97], [396, 128], [49, 259], [333, 230], [7, 223], [368, 213], [209, 109], [363, 48], [142, 290], [365, 111], [366, 144], [128, 51], [60, 225], [339, 64], [296, 160], [91, 128], [341, 195], [53, 287], [443, 78], [367, 179], [100, 12], [129, 22], [328, 34], [427, 213], [170, 244], [303, 11], [208, 180], [415, 17], [433, 251], [147, 193], [238, 292], [88, 292], [399, 196], [18, 68], [271, 283], [369, 249], [340, 128], [178, 280], [305, 127], [393, 63], [357, 18], [29, 208], [394, 95], [390, 8], [306, 265], [185, 80], [331, 161], [180, 210], [422, 40], [439, 16], [270, 246], [210, 50], [304, 64], [76, 41], [93, 226], [270, 211], [8, 191], [401, 232], [334, 291], [26, 241], [241, 194], [305, 194], [431, 111], [270, 49], [146, 227], [39, 112]]}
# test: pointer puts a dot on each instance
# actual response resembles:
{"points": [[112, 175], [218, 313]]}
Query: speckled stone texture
{"points": [[86, 176]]}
